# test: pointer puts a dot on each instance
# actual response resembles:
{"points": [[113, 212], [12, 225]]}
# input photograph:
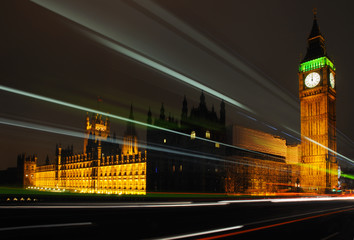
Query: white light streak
{"points": [[46, 226], [41, 128], [155, 147], [112, 116], [281, 200], [246, 201], [319, 144], [116, 46], [219, 51], [104, 206], [202, 233], [311, 199]]}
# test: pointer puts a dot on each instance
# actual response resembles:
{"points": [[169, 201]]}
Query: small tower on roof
{"points": [[97, 130], [130, 139]]}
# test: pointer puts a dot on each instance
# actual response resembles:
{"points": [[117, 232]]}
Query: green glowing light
{"points": [[345, 175], [112, 116], [316, 63], [85, 109]]}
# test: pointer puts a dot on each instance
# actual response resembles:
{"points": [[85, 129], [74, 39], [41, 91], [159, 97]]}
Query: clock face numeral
{"points": [[332, 80], [312, 80]]}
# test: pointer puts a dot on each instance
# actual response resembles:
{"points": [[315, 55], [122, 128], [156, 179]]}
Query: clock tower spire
{"points": [[316, 42], [317, 94]]}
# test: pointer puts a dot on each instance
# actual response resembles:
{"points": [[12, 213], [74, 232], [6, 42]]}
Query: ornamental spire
{"points": [[316, 43], [315, 31]]}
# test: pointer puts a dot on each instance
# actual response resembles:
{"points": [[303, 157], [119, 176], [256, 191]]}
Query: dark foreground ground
{"points": [[316, 218]]}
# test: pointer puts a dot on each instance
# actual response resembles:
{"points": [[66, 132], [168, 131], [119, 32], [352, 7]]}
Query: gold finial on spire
{"points": [[314, 12]]}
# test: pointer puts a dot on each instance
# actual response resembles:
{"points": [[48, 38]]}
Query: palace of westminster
{"points": [[196, 159]]}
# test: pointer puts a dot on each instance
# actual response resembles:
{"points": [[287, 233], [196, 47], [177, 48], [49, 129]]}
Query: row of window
{"points": [[103, 174], [207, 134], [193, 136]]}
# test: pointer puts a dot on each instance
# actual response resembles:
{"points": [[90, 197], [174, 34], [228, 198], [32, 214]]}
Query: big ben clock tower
{"points": [[317, 92]]}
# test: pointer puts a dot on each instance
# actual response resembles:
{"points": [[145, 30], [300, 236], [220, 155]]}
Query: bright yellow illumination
{"points": [[193, 135], [100, 127], [207, 134]]}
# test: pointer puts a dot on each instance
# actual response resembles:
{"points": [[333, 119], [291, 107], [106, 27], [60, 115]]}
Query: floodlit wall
{"points": [[125, 175], [258, 141]]}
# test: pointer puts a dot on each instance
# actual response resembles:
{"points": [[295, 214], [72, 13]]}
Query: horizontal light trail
{"points": [[42, 128], [345, 209], [113, 116], [164, 149], [318, 214], [201, 233], [155, 147], [282, 200], [117, 206], [169, 204], [46, 226], [246, 201], [313, 199]]}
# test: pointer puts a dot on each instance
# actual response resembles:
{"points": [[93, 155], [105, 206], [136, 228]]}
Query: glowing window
{"points": [[207, 134], [193, 135], [164, 141], [217, 145]]}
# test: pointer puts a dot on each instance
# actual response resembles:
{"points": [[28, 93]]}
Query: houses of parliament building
{"points": [[199, 153]]}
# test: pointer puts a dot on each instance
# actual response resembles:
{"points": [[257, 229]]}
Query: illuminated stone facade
{"points": [[27, 165], [262, 163], [317, 94], [196, 159], [102, 168]]}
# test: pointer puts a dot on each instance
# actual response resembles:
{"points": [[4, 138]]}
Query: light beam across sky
{"points": [[113, 116]]}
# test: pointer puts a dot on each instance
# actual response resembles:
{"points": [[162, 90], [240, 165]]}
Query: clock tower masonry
{"points": [[317, 92]]}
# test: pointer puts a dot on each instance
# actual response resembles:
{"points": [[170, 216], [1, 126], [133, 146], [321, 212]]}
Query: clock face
{"points": [[312, 80], [331, 80]]}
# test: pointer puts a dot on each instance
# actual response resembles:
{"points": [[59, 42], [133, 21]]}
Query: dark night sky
{"points": [[52, 53]]}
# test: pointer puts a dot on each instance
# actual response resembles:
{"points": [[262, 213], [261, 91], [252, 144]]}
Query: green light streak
{"points": [[112, 116], [316, 63], [85, 109], [345, 175], [55, 130], [156, 147]]}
